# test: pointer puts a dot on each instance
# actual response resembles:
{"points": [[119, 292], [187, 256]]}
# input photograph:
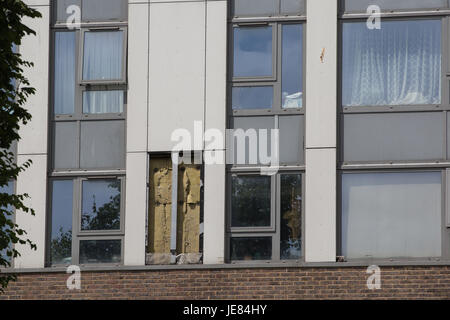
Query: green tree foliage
{"points": [[14, 91]]}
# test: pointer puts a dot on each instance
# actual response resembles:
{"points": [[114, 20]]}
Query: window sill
{"points": [[272, 265]]}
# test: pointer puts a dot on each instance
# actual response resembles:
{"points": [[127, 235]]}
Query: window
{"points": [[394, 142], [265, 216], [86, 221], [264, 213], [103, 56], [400, 64], [88, 112], [391, 215], [97, 94], [262, 79], [267, 86]]}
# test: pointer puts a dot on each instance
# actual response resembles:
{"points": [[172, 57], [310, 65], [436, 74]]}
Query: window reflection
{"points": [[252, 52], [291, 216], [101, 205], [61, 241], [292, 62], [64, 86], [250, 201], [251, 248], [252, 97], [100, 251]]}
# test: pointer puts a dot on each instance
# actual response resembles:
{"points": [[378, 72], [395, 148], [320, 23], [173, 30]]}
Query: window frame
{"points": [[445, 230], [82, 33], [444, 107], [276, 78], [78, 234], [445, 67], [78, 116], [82, 86], [257, 232]]}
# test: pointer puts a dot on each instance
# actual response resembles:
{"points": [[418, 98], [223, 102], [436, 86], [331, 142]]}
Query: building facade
{"points": [[352, 102]]}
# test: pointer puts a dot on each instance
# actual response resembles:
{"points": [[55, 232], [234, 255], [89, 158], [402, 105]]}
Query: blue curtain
{"points": [[64, 73], [399, 64], [103, 55]]}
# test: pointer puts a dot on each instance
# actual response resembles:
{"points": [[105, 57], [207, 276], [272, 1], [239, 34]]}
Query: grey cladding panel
{"points": [[61, 9], [103, 144], [362, 5], [255, 7], [104, 10], [246, 123], [291, 139], [393, 137], [293, 7], [65, 153]]}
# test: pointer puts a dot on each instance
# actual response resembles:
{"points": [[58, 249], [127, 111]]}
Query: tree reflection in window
{"points": [[291, 218], [250, 201], [101, 205]]}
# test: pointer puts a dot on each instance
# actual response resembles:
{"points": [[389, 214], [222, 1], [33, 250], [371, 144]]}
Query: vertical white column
{"points": [[321, 124], [137, 110], [215, 115], [33, 144]]}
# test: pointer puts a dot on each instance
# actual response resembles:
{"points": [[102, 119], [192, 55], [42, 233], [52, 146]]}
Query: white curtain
{"points": [[399, 64], [391, 215], [102, 55], [64, 72], [103, 101]]}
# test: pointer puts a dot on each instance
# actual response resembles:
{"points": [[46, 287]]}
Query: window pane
{"points": [[292, 62], [64, 72], [252, 52], [362, 5], [103, 55], [251, 248], [103, 101], [102, 144], [62, 204], [101, 205], [8, 189], [400, 64], [389, 215], [255, 7], [250, 201], [291, 216], [252, 97], [104, 10], [100, 251]]}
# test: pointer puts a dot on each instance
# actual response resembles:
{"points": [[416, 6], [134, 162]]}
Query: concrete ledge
{"points": [[274, 265]]}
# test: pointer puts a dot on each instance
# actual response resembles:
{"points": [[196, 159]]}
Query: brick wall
{"points": [[253, 283]]}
